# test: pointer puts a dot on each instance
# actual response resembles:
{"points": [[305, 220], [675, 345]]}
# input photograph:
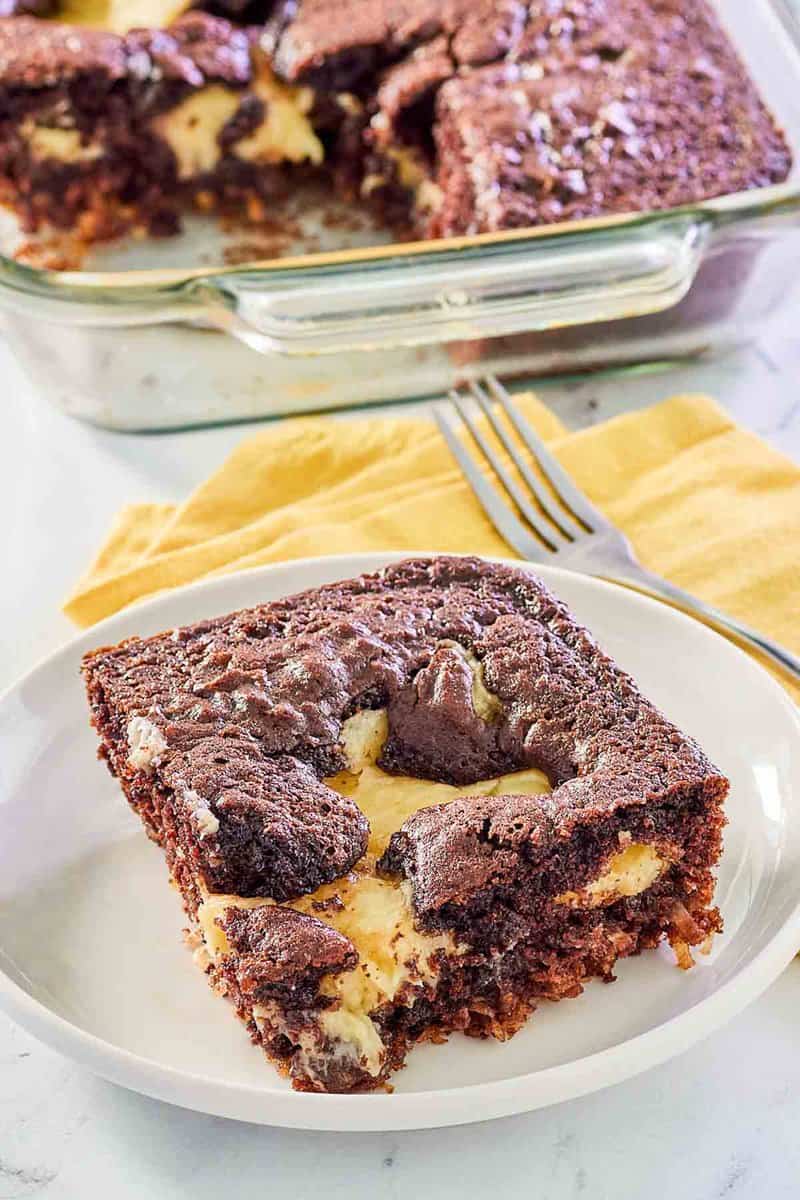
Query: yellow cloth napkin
{"points": [[704, 502]]}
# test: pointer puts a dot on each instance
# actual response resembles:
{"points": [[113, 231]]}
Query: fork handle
{"points": [[653, 585]]}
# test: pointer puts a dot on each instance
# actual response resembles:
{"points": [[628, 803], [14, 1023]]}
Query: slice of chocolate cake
{"points": [[417, 802]]}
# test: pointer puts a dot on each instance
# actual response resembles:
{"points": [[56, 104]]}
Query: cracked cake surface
{"points": [[530, 143], [415, 802]]}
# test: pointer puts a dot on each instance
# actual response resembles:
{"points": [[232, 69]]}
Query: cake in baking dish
{"points": [[445, 117]]}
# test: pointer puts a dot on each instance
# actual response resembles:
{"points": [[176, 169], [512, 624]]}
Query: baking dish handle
{"points": [[460, 295]]}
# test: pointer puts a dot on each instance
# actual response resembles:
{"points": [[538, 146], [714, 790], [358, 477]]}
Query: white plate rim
{"points": [[421, 1109]]}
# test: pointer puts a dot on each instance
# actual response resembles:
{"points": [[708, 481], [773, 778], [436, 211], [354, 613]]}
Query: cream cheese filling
{"points": [[285, 133], [631, 871], [191, 129], [120, 16], [62, 145], [411, 174], [376, 914]]}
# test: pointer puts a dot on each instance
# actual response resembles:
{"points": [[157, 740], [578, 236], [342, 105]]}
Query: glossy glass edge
{"points": [[170, 285]]}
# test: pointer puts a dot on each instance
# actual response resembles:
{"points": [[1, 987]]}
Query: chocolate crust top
{"points": [[650, 103], [267, 691], [451, 852], [487, 862], [280, 954], [338, 44], [38, 54], [264, 826], [196, 49]]}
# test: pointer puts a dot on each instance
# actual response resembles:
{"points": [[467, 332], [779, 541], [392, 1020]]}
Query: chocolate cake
{"points": [[443, 116], [574, 131], [99, 132], [412, 803]]}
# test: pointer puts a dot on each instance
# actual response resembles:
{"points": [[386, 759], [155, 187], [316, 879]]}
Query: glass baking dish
{"points": [[130, 346]]}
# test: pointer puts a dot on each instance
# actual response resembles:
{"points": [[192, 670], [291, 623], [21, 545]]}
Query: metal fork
{"points": [[575, 536]]}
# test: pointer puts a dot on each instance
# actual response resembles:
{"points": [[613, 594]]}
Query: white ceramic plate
{"points": [[91, 956]]}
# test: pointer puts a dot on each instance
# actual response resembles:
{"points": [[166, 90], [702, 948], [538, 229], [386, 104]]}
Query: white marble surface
{"points": [[721, 1121]]}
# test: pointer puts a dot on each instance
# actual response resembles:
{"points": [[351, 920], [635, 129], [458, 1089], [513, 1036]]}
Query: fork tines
{"points": [[540, 520]]}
